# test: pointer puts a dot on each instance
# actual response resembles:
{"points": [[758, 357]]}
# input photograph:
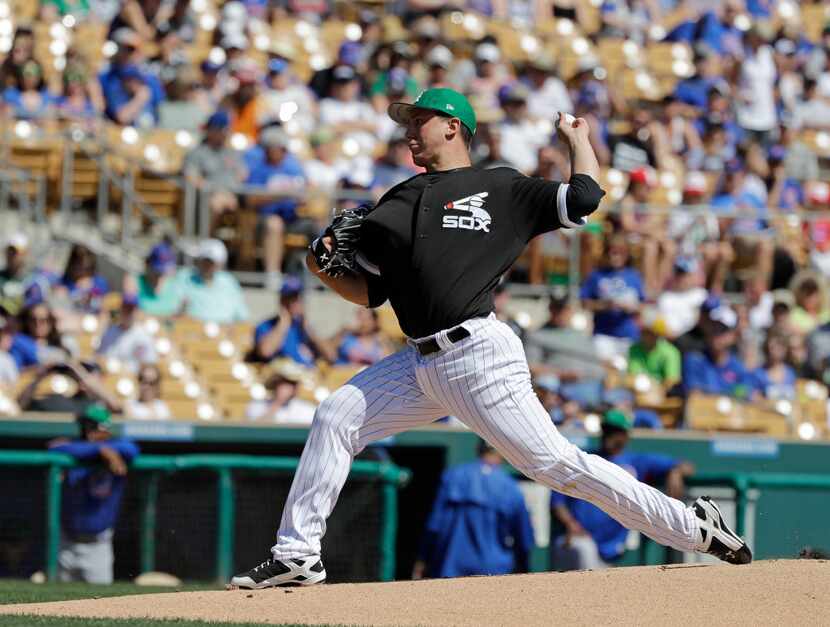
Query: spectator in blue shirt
{"points": [[81, 285], [209, 292], [776, 379], [614, 292], [91, 497], [479, 523], [717, 370], [282, 180], [746, 217], [694, 91], [288, 334], [590, 538], [29, 99], [116, 89]]}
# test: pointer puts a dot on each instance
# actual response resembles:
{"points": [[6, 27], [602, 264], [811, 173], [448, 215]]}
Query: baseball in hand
{"points": [[567, 117]]}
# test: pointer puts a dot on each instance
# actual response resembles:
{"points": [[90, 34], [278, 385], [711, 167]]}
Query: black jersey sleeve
{"points": [[540, 205]]}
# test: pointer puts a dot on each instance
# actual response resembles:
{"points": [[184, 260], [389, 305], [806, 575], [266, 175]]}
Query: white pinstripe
{"points": [[484, 381]]}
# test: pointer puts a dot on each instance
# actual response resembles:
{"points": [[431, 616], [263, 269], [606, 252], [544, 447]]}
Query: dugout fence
{"points": [[207, 516]]}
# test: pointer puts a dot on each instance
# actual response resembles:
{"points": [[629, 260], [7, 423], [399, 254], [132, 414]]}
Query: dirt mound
{"points": [[765, 593]]}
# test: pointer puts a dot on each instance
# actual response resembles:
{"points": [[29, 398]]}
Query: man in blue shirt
{"points": [[614, 293], [479, 523], [115, 87], [717, 370], [208, 291], [91, 497], [283, 181], [591, 539], [288, 334]]}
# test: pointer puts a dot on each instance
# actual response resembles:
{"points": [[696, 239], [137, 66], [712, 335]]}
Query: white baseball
{"points": [[569, 118]]}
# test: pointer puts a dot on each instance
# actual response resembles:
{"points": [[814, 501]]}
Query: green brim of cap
{"points": [[616, 418], [98, 414]]}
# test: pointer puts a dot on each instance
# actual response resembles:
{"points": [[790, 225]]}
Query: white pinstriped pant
{"points": [[484, 381]]}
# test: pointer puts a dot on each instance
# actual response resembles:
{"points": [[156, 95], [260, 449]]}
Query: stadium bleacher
{"points": [[611, 61]]}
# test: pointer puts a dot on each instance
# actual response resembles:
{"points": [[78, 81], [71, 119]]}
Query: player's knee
{"points": [[330, 415]]}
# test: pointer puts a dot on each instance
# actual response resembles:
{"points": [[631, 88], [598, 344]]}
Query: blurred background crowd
{"points": [[702, 277]]}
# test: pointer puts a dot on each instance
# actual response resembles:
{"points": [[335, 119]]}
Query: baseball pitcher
{"points": [[435, 246]]}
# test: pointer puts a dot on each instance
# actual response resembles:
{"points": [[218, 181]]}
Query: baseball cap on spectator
{"points": [[427, 27], [488, 53], [218, 120], [291, 286], [543, 61], [161, 259], [96, 413], [350, 53], [18, 241], [126, 37], [783, 298], [234, 41], [513, 93], [234, 12], [343, 74], [367, 16], [558, 297], [587, 63], [209, 67], [818, 192], [322, 135], [212, 250], [616, 419], [548, 382], [284, 49], [711, 303], [724, 317], [277, 66], [642, 176], [273, 137], [786, 47], [695, 184], [403, 49], [439, 56]]}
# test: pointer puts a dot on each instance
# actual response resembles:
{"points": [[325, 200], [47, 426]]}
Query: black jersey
{"points": [[437, 244]]}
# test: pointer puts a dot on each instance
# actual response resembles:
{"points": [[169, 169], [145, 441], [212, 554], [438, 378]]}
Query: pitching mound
{"points": [[765, 593]]}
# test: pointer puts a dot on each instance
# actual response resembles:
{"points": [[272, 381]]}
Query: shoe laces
{"points": [[263, 565]]}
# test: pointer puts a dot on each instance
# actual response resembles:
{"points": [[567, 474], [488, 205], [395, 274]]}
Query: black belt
{"points": [[429, 346]]}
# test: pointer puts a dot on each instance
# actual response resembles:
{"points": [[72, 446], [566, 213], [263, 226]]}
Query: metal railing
{"points": [[742, 483], [391, 477]]}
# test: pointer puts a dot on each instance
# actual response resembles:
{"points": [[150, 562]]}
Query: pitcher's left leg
{"points": [[485, 382]]}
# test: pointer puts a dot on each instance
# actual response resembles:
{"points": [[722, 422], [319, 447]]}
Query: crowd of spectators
{"points": [[730, 128], [725, 293]]}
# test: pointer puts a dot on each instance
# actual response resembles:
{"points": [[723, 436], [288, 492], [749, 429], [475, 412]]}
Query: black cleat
{"points": [[301, 571], [716, 537]]}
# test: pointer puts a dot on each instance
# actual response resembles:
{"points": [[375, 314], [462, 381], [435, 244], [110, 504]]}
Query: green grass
{"points": [[29, 620], [18, 591]]}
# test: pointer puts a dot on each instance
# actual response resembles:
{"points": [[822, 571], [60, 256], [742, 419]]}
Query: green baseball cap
{"points": [[96, 413], [617, 419], [445, 101]]}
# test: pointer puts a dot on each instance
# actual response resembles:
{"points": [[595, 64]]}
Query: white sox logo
{"points": [[478, 220]]}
